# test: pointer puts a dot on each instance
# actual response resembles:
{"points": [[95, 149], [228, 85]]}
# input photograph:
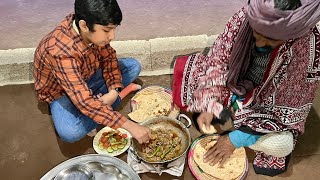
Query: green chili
{"points": [[155, 152], [166, 152]]}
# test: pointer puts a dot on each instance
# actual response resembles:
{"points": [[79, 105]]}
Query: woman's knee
{"points": [[281, 149], [275, 144]]}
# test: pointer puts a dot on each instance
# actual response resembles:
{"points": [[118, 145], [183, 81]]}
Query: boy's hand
{"points": [[109, 98], [140, 133]]}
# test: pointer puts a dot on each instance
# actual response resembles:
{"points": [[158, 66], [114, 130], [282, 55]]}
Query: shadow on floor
{"points": [[309, 142]]}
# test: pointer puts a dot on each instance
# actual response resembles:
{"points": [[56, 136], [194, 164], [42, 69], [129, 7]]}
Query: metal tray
{"points": [[92, 167]]}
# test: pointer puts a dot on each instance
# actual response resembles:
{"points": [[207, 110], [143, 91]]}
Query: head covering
{"points": [[273, 23], [283, 25]]}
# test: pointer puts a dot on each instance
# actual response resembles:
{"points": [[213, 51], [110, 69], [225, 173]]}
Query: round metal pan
{"points": [[92, 166], [75, 172], [164, 122]]}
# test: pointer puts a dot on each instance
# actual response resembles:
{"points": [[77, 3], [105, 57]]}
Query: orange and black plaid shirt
{"points": [[62, 64]]}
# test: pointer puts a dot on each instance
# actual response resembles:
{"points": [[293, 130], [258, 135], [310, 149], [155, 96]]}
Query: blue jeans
{"points": [[70, 124]]}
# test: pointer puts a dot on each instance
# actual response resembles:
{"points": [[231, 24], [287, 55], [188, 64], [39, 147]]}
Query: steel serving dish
{"points": [[77, 171], [92, 167]]}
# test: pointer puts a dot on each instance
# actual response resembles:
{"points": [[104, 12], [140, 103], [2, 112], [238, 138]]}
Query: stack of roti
{"points": [[210, 130], [149, 104], [233, 168]]}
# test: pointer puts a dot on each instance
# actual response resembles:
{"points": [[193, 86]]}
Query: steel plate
{"points": [[101, 166]]}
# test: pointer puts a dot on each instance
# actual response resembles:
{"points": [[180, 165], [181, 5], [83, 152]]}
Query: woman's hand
{"points": [[204, 119], [222, 150]]}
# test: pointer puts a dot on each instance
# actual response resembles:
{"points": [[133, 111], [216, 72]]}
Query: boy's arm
{"points": [[66, 71], [109, 65]]}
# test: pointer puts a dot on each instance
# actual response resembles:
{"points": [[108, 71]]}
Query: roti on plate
{"points": [[149, 105], [231, 169], [211, 129]]}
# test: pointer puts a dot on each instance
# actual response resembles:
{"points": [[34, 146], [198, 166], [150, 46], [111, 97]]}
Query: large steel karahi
{"points": [[176, 146], [163, 145]]}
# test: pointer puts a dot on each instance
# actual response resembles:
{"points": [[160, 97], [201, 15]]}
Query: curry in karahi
{"points": [[164, 145]]}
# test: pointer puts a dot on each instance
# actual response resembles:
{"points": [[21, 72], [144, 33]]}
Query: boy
{"points": [[76, 71]]}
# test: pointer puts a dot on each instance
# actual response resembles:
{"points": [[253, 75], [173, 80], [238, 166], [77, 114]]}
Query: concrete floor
{"points": [[25, 22], [29, 146]]}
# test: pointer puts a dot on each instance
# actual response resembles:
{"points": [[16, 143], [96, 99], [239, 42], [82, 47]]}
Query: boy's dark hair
{"points": [[287, 4], [100, 12]]}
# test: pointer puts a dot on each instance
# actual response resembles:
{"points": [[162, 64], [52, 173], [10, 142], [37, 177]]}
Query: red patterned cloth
{"points": [[281, 103], [179, 65], [181, 74]]}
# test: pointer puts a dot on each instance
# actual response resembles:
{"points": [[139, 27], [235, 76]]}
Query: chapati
{"points": [[210, 130], [149, 105], [231, 169]]}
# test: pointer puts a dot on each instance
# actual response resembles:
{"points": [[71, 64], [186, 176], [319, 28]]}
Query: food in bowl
{"points": [[112, 141], [164, 145]]}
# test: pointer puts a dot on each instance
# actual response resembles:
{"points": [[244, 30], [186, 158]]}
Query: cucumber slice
{"points": [[114, 147], [120, 146], [109, 149], [116, 143], [113, 140], [100, 146], [124, 141]]}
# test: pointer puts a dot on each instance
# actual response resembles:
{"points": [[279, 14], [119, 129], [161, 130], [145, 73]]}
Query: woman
{"points": [[266, 67]]}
